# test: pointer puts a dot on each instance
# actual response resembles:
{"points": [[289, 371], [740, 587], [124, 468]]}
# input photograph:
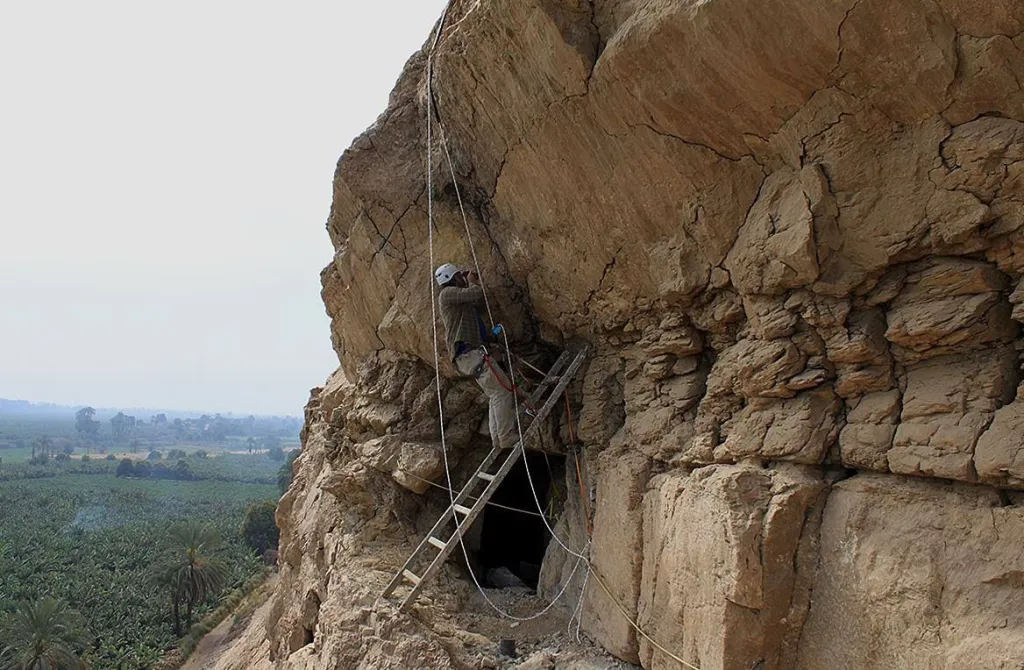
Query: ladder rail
{"points": [[464, 524], [446, 517], [494, 480]]}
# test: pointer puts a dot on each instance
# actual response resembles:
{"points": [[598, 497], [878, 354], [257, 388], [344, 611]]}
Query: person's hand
{"points": [[472, 277]]}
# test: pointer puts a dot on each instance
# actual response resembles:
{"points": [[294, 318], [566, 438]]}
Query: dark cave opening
{"points": [[517, 540]]}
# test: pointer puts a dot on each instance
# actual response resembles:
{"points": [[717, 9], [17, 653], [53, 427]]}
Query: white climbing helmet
{"points": [[445, 273]]}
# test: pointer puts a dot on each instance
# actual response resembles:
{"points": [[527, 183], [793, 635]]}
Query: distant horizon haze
{"points": [[44, 408], [165, 180]]}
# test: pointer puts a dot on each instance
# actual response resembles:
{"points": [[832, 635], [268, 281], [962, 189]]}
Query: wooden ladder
{"points": [[464, 515]]}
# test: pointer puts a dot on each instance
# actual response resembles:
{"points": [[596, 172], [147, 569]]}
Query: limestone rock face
{"points": [[913, 575], [947, 406], [790, 232]]}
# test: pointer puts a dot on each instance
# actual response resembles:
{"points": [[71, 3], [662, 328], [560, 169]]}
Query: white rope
{"points": [[508, 353], [437, 37], [433, 321], [465, 221], [580, 557], [577, 613], [508, 349], [430, 269]]}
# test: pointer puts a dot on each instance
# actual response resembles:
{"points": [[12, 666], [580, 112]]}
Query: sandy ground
{"points": [[219, 640], [546, 640], [210, 647]]}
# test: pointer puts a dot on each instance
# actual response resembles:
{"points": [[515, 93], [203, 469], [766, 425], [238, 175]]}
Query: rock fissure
{"points": [[690, 143], [839, 40], [600, 284]]}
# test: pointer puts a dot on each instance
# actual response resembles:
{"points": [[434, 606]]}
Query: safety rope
{"points": [[531, 366], [580, 556], [632, 623], [465, 220], [473, 498], [511, 387], [433, 321], [577, 613]]}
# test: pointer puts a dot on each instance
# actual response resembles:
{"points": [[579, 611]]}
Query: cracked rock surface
{"points": [[791, 234]]}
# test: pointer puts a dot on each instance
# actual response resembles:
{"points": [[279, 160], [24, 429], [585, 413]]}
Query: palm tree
{"points": [[46, 445], [191, 571], [44, 635]]}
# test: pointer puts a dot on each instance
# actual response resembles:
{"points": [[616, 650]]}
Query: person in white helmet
{"points": [[461, 300]]}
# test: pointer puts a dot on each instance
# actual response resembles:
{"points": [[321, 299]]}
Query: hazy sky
{"points": [[165, 176]]}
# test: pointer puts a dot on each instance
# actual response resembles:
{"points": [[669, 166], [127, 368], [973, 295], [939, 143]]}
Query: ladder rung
{"points": [[486, 477], [411, 577], [463, 510], [437, 543]]}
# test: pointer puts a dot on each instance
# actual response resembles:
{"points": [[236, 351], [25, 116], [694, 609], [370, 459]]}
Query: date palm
{"points": [[42, 635], [191, 571]]}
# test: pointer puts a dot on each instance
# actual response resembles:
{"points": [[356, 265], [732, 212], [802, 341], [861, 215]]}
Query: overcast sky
{"points": [[165, 176]]}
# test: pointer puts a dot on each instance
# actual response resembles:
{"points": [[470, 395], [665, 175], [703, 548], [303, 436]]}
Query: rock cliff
{"points": [[790, 232]]}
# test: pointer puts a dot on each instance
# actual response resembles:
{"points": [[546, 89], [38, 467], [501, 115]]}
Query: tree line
{"points": [[209, 428]]}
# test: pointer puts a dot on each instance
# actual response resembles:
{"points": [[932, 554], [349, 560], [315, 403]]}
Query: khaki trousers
{"points": [[502, 405]]}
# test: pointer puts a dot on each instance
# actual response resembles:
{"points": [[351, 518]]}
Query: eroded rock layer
{"points": [[790, 232]]}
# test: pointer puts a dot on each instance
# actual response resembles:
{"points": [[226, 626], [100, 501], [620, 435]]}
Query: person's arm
{"points": [[454, 295]]}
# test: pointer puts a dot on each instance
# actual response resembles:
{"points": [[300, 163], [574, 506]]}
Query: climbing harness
{"points": [[487, 362], [511, 387], [478, 369]]}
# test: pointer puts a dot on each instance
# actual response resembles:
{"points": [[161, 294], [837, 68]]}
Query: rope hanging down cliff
{"points": [[580, 556], [433, 313]]}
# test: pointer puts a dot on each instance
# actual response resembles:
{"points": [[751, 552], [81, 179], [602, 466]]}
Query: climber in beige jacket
{"points": [[461, 298]]}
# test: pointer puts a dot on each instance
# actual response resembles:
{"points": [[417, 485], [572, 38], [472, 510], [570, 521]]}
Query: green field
{"points": [[254, 469], [20, 429], [15, 454], [92, 539], [14, 428]]}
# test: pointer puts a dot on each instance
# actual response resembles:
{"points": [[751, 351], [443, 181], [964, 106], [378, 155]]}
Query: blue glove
{"points": [[497, 330]]}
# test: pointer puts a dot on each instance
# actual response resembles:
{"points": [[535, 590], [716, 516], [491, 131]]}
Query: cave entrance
{"points": [[517, 540]]}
